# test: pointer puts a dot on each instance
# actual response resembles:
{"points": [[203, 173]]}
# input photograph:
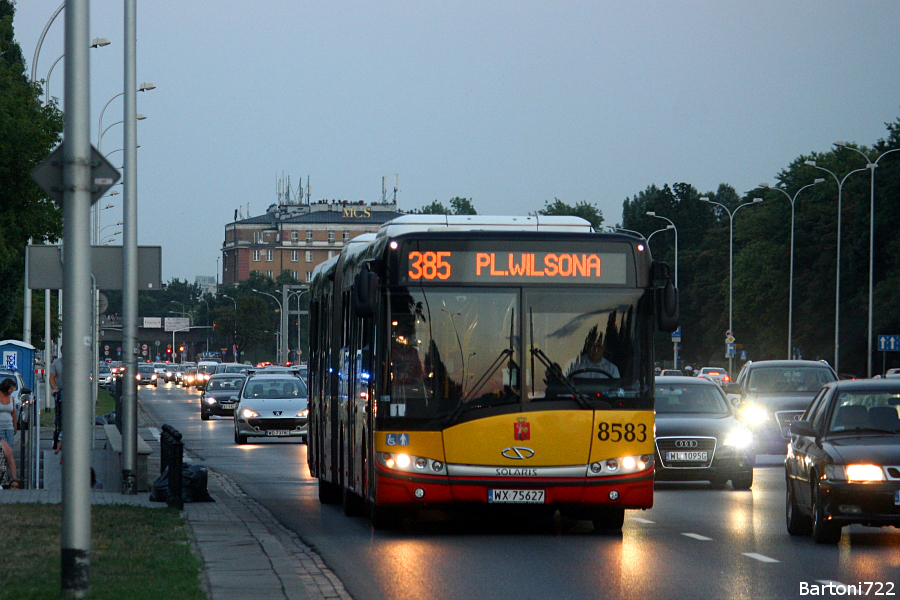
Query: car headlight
{"points": [[754, 415], [864, 473], [739, 438], [209, 400], [303, 413], [249, 414]]}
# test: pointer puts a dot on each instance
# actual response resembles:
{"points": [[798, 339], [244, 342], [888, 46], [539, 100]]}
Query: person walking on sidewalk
{"points": [[8, 417], [7, 467], [56, 381]]}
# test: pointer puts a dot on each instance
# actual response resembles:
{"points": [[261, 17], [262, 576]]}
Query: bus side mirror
{"points": [[667, 313], [365, 289]]}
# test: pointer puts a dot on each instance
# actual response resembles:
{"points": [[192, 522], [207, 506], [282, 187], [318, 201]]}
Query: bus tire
{"points": [[329, 493], [608, 519], [354, 506]]}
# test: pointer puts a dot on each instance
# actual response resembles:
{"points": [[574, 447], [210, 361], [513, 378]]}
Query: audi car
{"points": [[698, 436], [271, 405], [843, 463], [220, 395], [772, 393]]}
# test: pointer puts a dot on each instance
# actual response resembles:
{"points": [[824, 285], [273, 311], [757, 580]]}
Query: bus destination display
{"points": [[451, 266]]}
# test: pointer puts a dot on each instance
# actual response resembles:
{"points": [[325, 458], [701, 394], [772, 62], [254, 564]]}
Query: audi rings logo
{"points": [[518, 453], [686, 443]]}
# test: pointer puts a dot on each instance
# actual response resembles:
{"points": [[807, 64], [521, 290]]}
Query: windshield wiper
{"points": [[554, 370], [466, 407]]}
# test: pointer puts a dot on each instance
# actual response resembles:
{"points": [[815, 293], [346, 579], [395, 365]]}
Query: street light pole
{"points": [[671, 226], [837, 291], [872, 164], [793, 200], [234, 329], [731, 265], [280, 323], [299, 294]]}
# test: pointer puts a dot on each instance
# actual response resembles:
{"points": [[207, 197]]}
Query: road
{"points": [[696, 542]]}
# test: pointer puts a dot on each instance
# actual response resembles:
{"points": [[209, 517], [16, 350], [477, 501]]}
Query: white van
{"points": [[205, 368]]}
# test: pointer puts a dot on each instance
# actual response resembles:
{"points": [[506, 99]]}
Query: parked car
{"points": [[146, 375], [221, 395], [698, 436], [271, 405], [843, 462], [773, 393]]}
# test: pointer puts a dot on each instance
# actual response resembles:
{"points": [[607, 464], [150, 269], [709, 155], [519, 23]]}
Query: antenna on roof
{"points": [[396, 186], [383, 191]]}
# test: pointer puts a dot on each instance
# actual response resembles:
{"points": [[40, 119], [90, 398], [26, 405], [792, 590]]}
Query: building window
{"points": [[345, 236], [295, 255], [295, 236], [269, 274], [309, 256], [256, 256], [269, 256], [331, 236], [308, 276], [294, 273], [257, 237], [309, 235], [331, 254]]}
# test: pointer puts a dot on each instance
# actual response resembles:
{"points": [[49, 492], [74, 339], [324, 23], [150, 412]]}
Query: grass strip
{"points": [[136, 553]]}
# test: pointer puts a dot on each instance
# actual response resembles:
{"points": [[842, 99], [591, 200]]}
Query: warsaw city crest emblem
{"points": [[522, 429]]}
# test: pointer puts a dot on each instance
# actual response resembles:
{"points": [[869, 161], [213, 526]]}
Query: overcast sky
{"points": [[511, 104]]}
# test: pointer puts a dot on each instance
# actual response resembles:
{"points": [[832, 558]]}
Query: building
{"points": [[296, 237], [206, 283]]}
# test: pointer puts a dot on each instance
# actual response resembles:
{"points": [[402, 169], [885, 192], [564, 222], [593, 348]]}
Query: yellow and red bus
{"points": [[458, 362]]}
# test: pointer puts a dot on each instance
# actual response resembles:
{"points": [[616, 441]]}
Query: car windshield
{"points": [[236, 368], [145, 368], [788, 379], [225, 383], [275, 387], [690, 398], [862, 410]]}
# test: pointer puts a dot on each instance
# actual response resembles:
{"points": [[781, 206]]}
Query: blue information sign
{"points": [[889, 343]]}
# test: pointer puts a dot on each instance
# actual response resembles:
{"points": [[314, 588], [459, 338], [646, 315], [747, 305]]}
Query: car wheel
{"points": [[238, 438], [204, 416], [797, 523], [742, 481], [609, 520], [823, 530]]}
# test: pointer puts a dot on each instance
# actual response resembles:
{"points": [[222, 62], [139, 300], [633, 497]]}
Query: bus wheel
{"points": [[354, 506], [329, 493], [609, 519]]}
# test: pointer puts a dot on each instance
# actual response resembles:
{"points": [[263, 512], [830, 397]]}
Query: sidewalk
{"points": [[246, 552]]}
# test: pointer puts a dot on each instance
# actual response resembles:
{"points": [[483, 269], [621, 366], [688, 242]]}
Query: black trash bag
{"points": [[193, 485]]}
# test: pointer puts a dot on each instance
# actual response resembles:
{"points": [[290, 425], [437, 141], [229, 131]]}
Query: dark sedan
{"points": [[698, 437], [220, 395], [843, 462]]}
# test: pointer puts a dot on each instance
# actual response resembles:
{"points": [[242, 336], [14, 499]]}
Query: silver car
{"points": [[271, 405]]}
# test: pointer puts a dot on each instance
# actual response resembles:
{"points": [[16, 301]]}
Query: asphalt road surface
{"points": [[696, 542]]}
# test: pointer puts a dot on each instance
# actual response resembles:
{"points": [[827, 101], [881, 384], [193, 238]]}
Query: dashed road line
{"points": [[760, 557], [640, 520], [697, 536]]}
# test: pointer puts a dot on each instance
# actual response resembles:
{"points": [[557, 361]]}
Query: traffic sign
{"points": [[729, 349], [676, 335], [49, 175], [729, 339], [889, 343]]}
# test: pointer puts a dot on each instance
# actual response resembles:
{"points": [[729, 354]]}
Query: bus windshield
{"points": [[458, 349]]}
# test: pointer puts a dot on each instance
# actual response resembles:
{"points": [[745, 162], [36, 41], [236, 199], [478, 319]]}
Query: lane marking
{"points": [[697, 536], [154, 432], [760, 557], [640, 520]]}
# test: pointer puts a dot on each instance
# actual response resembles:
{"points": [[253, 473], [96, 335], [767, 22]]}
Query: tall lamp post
{"points": [[872, 164], [731, 214], [651, 213], [837, 278], [277, 301], [793, 202], [299, 294]]}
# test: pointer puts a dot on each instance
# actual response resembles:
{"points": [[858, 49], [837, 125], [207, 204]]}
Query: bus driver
{"points": [[591, 364]]}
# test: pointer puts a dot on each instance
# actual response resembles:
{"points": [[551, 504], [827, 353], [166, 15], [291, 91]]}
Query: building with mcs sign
{"points": [[297, 236]]}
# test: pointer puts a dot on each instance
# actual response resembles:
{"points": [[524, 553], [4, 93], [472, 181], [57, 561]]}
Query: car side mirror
{"points": [[733, 388], [25, 392], [804, 428]]}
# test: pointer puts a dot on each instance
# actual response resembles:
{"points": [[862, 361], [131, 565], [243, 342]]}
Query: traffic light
{"points": [[169, 350], [181, 348]]}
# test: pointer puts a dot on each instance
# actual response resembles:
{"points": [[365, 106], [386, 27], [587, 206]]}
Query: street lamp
{"points": [[837, 291], [278, 346], [651, 213], [666, 228], [872, 164], [791, 279], [731, 266], [299, 294]]}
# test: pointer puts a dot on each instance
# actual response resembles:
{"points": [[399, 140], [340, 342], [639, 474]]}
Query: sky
{"points": [[508, 103]]}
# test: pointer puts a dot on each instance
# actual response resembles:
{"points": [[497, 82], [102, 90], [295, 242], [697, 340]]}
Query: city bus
{"points": [[452, 366]]}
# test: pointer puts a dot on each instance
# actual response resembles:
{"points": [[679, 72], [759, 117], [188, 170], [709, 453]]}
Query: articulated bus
{"points": [[466, 362]]}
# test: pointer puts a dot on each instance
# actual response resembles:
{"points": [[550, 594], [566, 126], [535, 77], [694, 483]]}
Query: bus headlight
{"points": [[410, 464]]}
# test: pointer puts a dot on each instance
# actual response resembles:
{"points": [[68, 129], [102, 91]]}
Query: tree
{"points": [[462, 206], [583, 209], [28, 131], [435, 208]]}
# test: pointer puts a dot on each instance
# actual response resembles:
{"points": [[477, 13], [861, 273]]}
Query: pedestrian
{"points": [[56, 381], [8, 418], [7, 467]]}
